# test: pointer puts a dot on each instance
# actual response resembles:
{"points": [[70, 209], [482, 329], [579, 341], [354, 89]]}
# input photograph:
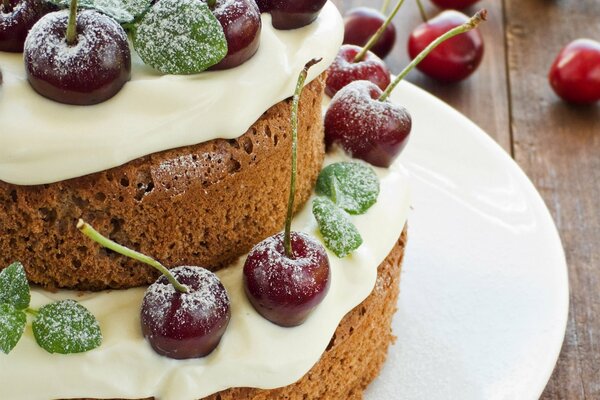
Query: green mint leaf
{"points": [[66, 327], [350, 185], [339, 233], [14, 288], [12, 326], [124, 11], [180, 37]]}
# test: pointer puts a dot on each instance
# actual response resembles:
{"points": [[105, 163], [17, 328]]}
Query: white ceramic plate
{"points": [[484, 290]]}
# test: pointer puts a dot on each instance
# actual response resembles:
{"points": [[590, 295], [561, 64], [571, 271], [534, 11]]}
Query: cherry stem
{"points": [[359, 57], [467, 26], [287, 236], [7, 6], [385, 6], [72, 24], [422, 11], [97, 237], [211, 4]]}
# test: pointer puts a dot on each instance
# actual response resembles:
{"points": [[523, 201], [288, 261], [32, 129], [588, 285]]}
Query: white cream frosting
{"points": [[42, 141], [253, 351]]}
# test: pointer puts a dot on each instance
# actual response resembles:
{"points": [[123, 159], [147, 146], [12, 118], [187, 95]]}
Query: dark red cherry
{"points": [[453, 60], [575, 74], [90, 71], [454, 4], [361, 24], [344, 70], [285, 289], [186, 325], [264, 5], [17, 19], [241, 23], [365, 127], [292, 14]]}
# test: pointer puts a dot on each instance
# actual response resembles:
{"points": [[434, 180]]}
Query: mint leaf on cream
{"points": [[12, 326], [339, 233], [66, 327], [180, 37], [352, 186], [14, 288]]}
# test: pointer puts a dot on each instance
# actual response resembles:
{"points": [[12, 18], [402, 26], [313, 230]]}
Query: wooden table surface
{"points": [[557, 145]]}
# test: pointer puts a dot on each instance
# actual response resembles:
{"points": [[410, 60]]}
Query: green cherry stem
{"points": [[467, 26], [97, 237], [211, 4], [385, 6], [72, 24], [287, 239], [32, 311], [378, 34], [422, 11]]}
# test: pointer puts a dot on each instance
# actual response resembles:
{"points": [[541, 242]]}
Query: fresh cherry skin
{"points": [[293, 14], [361, 23], [16, 22], [575, 74], [186, 325], [91, 71], [365, 127], [241, 24], [454, 4], [286, 290], [344, 70], [264, 5], [453, 60]]}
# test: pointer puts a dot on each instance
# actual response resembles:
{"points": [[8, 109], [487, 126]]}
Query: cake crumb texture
{"points": [[356, 352], [201, 205]]}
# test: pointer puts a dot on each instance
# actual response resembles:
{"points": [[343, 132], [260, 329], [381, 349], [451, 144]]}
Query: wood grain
{"points": [[558, 146]]}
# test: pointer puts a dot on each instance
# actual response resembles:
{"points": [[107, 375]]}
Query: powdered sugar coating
{"points": [[186, 325], [94, 68], [285, 290], [180, 37], [365, 127], [17, 20]]}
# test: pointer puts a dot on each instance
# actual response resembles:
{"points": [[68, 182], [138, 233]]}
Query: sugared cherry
{"points": [[80, 63], [286, 289], [241, 24], [453, 60], [292, 14], [185, 312], [575, 74], [362, 120], [344, 70], [185, 325], [287, 275], [16, 19], [361, 23], [454, 4]]}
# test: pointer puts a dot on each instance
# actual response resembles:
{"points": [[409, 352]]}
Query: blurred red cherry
{"points": [[454, 4], [361, 23]]}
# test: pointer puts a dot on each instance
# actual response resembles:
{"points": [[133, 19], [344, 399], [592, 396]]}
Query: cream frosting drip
{"points": [[253, 351], [42, 141]]}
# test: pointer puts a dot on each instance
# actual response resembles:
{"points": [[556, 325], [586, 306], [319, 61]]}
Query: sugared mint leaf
{"points": [[339, 234], [66, 327], [12, 326], [124, 11], [350, 185], [14, 288], [180, 37]]}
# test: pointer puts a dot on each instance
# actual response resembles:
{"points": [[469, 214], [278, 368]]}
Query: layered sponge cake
{"points": [[192, 170]]}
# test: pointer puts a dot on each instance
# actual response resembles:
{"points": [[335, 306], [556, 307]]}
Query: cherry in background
{"points": [[77, 58], [16, 19], [363, 122], [575, 74], [454, 4], [241, 24], [287, 275], [453, 60], [292, 14], [361, 23]]}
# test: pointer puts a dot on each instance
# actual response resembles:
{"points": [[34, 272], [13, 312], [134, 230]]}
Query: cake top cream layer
{"points": [[42, 141], [253, 352]]}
